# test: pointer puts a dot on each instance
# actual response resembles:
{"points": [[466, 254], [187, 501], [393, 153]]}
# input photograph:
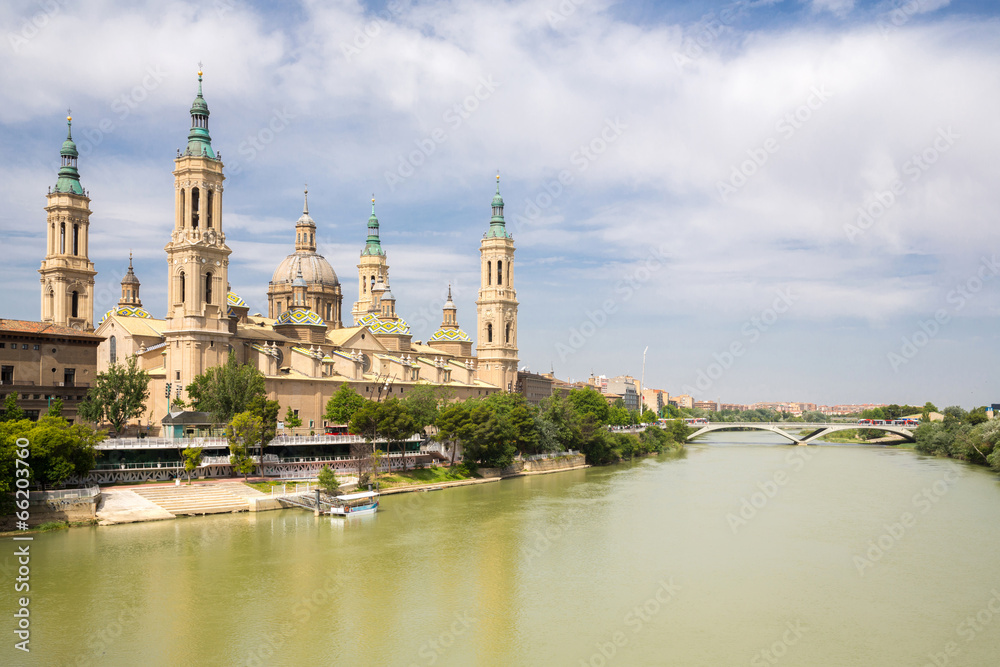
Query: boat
{"points": [[354, 504]]}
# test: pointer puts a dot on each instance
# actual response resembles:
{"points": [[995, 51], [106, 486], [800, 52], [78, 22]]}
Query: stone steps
{"points": [[200, 499]]}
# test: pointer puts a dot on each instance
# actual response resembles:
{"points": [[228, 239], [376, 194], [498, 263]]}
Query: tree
{"points": [[364, 423], [395, 424], [647, 417], [451, 423], [291, 419], [343, 404], [192, 459], [226, 390], [267, 411], [243, 432], [589, 401], [58, 450], [423, 403], [55, 408], [489, 438], [927, 410], [118, 394], [327, 480], [11, 412]]}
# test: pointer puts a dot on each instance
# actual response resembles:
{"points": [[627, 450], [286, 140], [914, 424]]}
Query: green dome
{"points": [[373, 246], [68, 179], [199, 140]]}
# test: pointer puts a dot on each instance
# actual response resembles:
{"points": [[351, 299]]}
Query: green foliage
{"points": [[192, 459], [589, 401], [927, 410], [58, 450], [291, 419], [243, 433], [118, 394], [55, 408], [423, 402], [343, 404], [618, 415], [647, 417], [227, 390], [815, 417], [11, 412], [328, 481], [977, 443]]}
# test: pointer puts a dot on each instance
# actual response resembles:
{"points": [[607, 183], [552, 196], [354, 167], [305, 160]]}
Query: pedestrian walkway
{"points": [[200, 498]]}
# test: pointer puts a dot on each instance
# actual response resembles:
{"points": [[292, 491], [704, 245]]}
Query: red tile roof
{"points": [[46, 328]]}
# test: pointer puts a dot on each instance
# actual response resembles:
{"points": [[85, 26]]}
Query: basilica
{"points": [[302, 345]]}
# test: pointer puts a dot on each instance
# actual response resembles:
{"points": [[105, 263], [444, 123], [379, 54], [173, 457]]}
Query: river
{"points": [[739, 551]]}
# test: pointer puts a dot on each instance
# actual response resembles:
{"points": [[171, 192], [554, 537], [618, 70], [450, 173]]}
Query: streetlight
{"points": [[642, 379]]}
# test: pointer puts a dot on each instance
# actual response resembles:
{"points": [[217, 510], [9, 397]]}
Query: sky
{"points": [[766, 200]]}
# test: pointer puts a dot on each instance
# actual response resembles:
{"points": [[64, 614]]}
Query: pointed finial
{"points": [[69, 123], [130, 259], [498, 181], [449, 291], [373, 203], [199, 78], [305, 207]]}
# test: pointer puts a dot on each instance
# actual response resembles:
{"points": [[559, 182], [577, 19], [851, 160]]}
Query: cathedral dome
{"points": [[379, 326], [450, 335], [300, 316], [315, 269], [125, 311]]}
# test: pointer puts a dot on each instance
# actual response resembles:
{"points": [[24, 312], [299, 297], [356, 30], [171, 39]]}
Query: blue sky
{"points": [[786, 200]]}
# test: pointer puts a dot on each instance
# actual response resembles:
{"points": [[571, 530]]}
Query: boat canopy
{"points": [[358, 496]]}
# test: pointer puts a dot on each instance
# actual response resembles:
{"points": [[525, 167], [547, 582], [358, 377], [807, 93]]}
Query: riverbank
{"points": [[159, 502]]}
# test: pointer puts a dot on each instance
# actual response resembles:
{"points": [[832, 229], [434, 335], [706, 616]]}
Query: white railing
{"points": [[66, 494], [138, 466], [220, 443]]}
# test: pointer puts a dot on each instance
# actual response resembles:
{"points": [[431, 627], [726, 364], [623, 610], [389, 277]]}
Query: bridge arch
{"points": [[791, 430]]}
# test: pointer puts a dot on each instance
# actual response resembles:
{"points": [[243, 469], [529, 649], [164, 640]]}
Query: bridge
{"points": [[794, 430]]}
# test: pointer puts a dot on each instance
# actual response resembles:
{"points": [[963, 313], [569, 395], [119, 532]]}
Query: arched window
{"points": [[51, 306], [499, 272], [183, 211], [364, 286], [373, 282], [182, 286], [508, 273], [208, 210], [195, 202], [112, 349], [489, 273], [506, 334], [208, 287], [62, 238], [76, 239], [75, 304], [489, 332]]}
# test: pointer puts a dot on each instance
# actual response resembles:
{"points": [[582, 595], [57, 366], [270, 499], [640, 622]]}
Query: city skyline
{"points": [[782, 199]]}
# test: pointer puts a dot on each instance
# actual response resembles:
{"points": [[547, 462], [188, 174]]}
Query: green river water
{"points": [[740, 551]]}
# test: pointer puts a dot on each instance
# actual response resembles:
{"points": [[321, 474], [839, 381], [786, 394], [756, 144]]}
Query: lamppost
{"points": [[642, 379]]}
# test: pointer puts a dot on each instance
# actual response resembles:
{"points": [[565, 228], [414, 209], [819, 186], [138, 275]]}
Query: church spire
{"points": [[497, 227], [373, 246], [68, 180], [199, 141], [130, 287], [305, 228]]}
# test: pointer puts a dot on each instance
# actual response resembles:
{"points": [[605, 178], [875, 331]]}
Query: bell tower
{"points": [[197, 332], [67, 274], [496, 307], [373, 268]]}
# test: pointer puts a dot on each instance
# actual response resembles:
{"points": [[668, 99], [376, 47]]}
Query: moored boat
{"points": [[353, 504]]}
